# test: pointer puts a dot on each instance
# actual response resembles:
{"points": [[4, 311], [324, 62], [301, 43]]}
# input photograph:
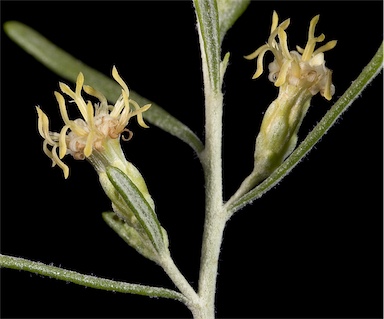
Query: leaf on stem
{"points": [[68, 67], [87, 280], [208, 26], [139, 206], [130, 235], [229, 12]]}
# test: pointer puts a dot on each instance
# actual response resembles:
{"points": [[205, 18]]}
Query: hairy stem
{"points": [[181, 283], [214, 217], [211, 157]]}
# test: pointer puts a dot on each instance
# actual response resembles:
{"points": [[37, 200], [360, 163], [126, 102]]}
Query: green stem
{"points": [[212, 239], [87, 280], [211, 157], [372, 69], [214, 218], [182, 284]]}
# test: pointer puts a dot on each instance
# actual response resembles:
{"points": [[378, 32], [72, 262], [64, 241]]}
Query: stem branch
{"points": [[181, 283]]}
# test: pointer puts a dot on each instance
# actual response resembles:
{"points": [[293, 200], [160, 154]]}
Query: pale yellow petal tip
{"points": [[313, 22], [65, 89], [65, 172], [38, 110], [62, 85], [281, 79], [89, 144], [334, 42], [320, 38], [115, 74], [59, 97], [146, 107], [140, 119], [326, 47], [249, 56], [257, 74], [328, 87], [119, 80], [275, 20], [88, 150], [80, 79], [285, 24], [327, 95], [144, 125], [316, 17], [40, 115], [299, 49]]}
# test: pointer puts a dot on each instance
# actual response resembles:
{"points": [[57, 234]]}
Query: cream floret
{"points": [[304, 67]]}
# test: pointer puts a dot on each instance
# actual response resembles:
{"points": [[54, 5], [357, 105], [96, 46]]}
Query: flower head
{"points": [[304, 67], [100, 122], [299, 75]]}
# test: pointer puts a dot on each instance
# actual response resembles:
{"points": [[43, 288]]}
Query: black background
{"points": [[311, 247]]}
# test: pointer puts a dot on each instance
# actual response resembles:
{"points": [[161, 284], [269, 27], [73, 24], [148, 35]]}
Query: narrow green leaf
{"points": [[373, 68], [68, 67], [229, 12], [208, 26], [87, 280], [223, 66], [130, 236], [138, 205]]}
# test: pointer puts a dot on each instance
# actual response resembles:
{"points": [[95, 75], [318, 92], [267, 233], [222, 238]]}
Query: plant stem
{"points": [[214, 217], [182, 284], [247, 185], [211, 157], [212, 238]]}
